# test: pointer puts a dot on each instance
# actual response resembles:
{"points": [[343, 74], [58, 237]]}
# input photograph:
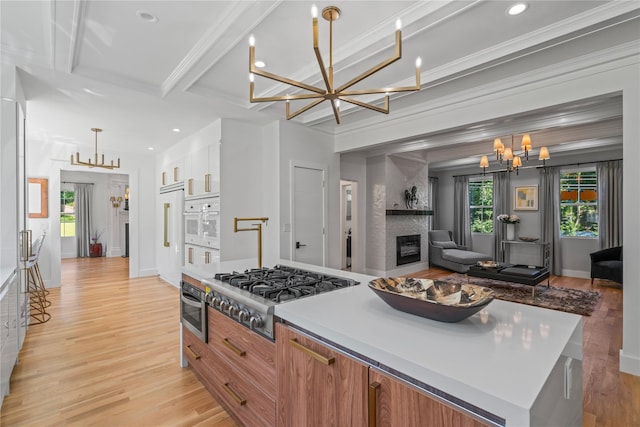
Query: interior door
{"points": [[170, 236], [308, 215]]}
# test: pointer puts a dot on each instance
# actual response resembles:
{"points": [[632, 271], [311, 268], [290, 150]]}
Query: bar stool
{"points": [[38, 302]]}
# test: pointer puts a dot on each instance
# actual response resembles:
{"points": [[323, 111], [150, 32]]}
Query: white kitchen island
{"points": [[521, 364], [510, 364]]}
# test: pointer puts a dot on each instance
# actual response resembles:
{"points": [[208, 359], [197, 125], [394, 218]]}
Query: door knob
{"points": [[298, 245]]}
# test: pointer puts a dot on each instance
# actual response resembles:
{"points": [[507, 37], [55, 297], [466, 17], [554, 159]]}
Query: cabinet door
{"points": [[317, 385], [394, 403]]}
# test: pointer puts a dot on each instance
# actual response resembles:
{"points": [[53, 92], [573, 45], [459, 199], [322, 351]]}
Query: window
{"points": [[67, 214], [579, 204], [481, 205]]}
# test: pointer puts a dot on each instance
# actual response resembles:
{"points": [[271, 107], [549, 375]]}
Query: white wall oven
{"points": [[202, 222]]}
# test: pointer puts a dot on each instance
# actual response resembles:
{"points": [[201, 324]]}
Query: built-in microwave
{"points": [[202, 222]]}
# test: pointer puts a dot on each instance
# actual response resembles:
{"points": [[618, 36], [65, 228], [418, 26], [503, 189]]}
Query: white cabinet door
{"points": [[8, 333], [170, 236]]}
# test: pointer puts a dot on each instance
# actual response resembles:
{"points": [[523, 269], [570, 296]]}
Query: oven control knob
{"points": [[234, 309], [215, 301], [255, 321], [244, 315], [223, 305]]}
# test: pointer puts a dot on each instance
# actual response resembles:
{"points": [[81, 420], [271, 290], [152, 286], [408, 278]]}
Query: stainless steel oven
{"points": [[193, 310], [202, 222]]}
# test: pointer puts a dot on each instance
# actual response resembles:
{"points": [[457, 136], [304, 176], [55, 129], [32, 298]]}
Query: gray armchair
{"points": [[445, 253]]}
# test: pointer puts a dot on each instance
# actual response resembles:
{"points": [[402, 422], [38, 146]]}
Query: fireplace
{"points": [[407, 249]]}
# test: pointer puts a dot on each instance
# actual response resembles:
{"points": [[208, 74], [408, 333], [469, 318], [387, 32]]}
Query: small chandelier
{"points": [[95, 163], [330, 92], [514, 161]]}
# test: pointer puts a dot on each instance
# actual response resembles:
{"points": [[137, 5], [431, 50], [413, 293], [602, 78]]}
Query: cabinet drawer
{"points": [[240, 347], [198, 355], [240, 396]]}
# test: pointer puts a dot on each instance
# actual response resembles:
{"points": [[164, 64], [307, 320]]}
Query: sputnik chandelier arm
{"points": [[94, 164], [330, 93]]}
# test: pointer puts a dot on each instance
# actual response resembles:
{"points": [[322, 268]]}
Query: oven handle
{"points": [[190, 300]]}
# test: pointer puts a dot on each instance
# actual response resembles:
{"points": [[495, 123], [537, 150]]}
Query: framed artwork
{"points": [[525, 198], [38, 198]]}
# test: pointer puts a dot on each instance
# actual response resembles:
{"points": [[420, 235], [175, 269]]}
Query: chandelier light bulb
{"points": [[418, 62], [484, 162], [508, 154], [398, 24], [252, 40], [314, 11], [497, 145]]}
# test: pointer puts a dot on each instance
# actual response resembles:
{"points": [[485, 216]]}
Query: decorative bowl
{"points": [[529, 239], [436, 300], [488, 264]]}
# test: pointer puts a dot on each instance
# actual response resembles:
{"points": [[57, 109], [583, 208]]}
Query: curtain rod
{"points": [[537, 167], [72, 182]]}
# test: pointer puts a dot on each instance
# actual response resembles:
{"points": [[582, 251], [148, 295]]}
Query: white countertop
{"points": [[497, 359]]}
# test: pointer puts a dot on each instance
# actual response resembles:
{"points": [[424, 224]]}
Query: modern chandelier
{"points": [[513, 160], [94, 164], [330, 92]]}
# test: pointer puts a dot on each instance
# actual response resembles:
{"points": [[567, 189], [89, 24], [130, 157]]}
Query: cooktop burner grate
{"points": [[282, 283]]}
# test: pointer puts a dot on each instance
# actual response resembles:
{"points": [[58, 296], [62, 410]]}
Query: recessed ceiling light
{"points": [[146, 16], [176, 130], [517, 9], [260, 64], [150, 148]]}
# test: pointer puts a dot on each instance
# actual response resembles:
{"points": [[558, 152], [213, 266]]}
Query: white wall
{"points": [[353, 167], [52, 158], [302, 145]]}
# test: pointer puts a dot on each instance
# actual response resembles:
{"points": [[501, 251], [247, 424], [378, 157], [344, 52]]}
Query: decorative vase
{"points": [[511, 231]]}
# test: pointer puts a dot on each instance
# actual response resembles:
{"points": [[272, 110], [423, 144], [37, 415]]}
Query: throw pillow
{"points": [[448, 244]]}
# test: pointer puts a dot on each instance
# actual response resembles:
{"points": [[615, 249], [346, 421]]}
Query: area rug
{"points": [[556, 298]]}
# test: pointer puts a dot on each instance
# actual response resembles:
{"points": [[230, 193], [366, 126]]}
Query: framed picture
{"points": [[38, 198], [525, 198]]}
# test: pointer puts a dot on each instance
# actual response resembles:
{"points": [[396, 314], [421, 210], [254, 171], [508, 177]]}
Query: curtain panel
{"points": [[501, 205], [549, 204], [433, 203], [609, 203], [83, 204], [461, 215]]}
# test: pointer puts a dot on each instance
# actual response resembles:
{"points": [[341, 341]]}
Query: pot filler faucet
{"points": [[257, 227]]}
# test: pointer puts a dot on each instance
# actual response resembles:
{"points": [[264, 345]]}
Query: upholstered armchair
{"points": [[607, 264]]}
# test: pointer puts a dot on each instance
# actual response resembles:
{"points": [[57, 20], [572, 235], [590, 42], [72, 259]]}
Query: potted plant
{"points": [[95, 248], [511, 221]]}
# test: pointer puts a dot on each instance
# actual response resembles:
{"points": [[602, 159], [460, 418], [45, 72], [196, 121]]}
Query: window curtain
{"points": [[501, 204], [461, 215], [549, 204], [83, 198], [433, 203], [609, 203]]}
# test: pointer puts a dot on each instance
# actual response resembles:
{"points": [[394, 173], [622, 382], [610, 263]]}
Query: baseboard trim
{"points": [[577, 273], [629, 364], [147, 272]]}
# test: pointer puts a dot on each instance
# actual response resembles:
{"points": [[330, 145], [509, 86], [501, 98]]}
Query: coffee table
{"points": [[515, 273]]}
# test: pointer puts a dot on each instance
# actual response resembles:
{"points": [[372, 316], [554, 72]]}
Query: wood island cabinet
{"points": [[318, 386], [394, 403], [321, 386]]}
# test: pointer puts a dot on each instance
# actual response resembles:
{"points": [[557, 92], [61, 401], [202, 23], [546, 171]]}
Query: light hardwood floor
{"points": [[110, 356]]}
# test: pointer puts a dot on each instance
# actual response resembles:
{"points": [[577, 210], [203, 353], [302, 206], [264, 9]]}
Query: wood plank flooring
{"points": [[109, 356]]}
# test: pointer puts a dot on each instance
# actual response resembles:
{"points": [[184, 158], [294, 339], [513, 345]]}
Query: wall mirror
{"points": [[38, 198]]}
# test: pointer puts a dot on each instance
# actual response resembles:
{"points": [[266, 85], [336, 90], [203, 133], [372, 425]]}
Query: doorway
{"points": [[349, 225]]}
